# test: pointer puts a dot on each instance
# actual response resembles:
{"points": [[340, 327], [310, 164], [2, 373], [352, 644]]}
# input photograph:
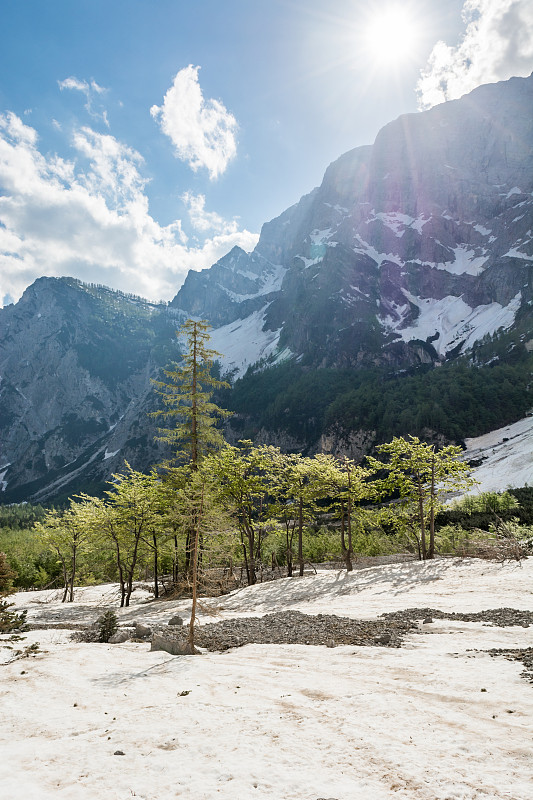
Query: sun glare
{"points": [[390, 36]]}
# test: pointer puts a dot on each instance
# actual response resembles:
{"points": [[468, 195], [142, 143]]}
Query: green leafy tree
{"points": [[422, 476], [301, 483], [66, 534], [248, 481], [126, 520], [347, 485], [7, 576], [195, 500]]}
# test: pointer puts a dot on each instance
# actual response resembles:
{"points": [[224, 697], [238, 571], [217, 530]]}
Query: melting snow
{"points": [[436, 718], [3, 483], [272, 280], [398, 222], [244, 342], [456, 321], [108, 454], [515, 253], [318, 237], [466, 262], [371, 251], [483, 231], [507, 455]]}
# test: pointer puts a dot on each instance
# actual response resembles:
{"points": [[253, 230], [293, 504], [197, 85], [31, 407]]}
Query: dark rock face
{"points": [[75, 391], [408, 240]]}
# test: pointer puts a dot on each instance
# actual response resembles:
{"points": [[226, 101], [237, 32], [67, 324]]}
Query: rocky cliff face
{"points": [[409, 253], [75, 391]]}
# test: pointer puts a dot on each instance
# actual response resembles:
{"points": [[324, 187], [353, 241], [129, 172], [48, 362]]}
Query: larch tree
{"points": [[422, 476], [247, 483], [187, 395], [66, 534]]}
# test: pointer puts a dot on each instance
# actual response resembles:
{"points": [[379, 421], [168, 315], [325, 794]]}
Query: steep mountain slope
{"points": [[76, 363], [409, 252], [414, 253]]}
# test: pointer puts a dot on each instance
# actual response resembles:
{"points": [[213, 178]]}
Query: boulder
{"points": [[142, 631], [176, 647], [119, 637]]}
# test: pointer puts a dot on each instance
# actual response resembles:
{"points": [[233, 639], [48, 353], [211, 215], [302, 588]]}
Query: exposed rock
{"points": [[119, 637], [176, 621], [142, 631], [174, 646]]}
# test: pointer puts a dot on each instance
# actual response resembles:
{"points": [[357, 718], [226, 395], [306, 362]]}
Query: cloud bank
{"points": [[89, 218], [203, 132], [497, 44]]}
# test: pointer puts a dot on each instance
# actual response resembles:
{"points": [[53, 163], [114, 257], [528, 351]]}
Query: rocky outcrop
{"points": [[409, 251]]}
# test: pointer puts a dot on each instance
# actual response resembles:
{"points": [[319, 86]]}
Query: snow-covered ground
{"points": [[438, 719], [507, 455]]}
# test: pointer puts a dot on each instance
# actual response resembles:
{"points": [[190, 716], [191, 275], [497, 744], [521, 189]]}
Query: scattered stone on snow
{"points": [[119, 637], [142, 631]]}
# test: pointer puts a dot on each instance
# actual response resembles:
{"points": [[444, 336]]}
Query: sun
{"points": [[390, 35]]}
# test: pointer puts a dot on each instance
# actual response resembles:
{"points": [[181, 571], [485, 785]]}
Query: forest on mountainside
{"points": [[459, 399]]}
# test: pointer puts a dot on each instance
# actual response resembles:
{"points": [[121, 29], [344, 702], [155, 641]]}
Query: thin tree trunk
{"points": [[431, 551], [349, 552], [175, 565], [72, 575], [195, 575], [422, 521], [156, 574], [300, 536]]}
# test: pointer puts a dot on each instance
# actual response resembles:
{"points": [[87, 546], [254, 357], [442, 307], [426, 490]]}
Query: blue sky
{"points": [[143, 138]]}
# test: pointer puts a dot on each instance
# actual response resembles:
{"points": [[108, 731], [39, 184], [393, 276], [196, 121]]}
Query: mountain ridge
{"points": [[413, 252]]}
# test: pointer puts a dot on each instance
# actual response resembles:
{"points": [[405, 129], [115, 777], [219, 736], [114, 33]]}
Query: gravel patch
{"points": [[293, 627], [500, 617]]}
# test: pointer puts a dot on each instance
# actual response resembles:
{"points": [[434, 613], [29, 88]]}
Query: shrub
{"points": [[11, 620], [107, 626]]}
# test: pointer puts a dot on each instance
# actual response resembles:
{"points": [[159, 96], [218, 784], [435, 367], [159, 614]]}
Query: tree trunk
{"points": [[196, 540], [175, 564], [156, 574], [431, 551], [421, 519], [345, 550], [300, 536], [349, 552], [72, 575]]}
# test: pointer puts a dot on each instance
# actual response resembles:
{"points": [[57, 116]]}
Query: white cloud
{"points": [[497, 44], [203, 220], [89, 218], [203, 132], [89, 90]]}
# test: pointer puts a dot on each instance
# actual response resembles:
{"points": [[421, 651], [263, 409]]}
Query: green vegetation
{"points": [[254, 505], [455, 400]]}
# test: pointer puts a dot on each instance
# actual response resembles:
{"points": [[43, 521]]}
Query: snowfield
{"points": [[437, 719]]}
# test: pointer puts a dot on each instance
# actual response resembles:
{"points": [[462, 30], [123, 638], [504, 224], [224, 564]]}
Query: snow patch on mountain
{"points": [[369, 250], [507, 457], [454, 320], [399, 222], [465, 262], [3, 483], [244, 342]]}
